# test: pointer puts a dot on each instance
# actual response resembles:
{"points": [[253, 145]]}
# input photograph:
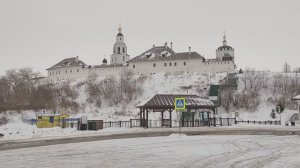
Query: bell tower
{"points": [[119, 55]]}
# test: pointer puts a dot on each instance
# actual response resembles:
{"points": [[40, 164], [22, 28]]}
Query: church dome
{"points": [[104, 61], [225, 47], [120, 34]]}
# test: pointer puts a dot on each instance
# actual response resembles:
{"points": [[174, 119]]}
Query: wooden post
{"points": [[215, 121], [140, 117], [130, 123], [182, 121], [144, 118], [162, 119], [193, 119], [170, 113], [147, 118]]}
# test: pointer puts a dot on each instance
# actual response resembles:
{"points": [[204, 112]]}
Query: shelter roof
{"points": [[166, 101]]}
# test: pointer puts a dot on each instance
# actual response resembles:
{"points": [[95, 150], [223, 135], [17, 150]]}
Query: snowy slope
{"points": [[176, 83]]}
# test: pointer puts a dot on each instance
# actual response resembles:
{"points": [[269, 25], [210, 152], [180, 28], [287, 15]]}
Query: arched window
{"points": [[184, 63], [175, 64], [165, 64], [154, 65], [133, 66], [170, 64], [118, 50], [123, 50]]}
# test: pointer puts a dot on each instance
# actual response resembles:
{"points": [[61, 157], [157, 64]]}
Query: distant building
{"points": [[157, 59]]}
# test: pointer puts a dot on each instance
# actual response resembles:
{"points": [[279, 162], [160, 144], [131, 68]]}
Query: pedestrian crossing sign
{"points": [[180, 103]]}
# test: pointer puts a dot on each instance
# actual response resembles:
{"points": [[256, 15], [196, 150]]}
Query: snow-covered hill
{"points": [[162, 83]]}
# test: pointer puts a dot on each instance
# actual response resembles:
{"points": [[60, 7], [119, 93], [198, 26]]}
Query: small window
{"points": [[123, 56], [133, 66], [58, 72], [170, 64], [175, 64], [66, 71], [165, 64], [119, 50], [154, 65], [184, 63], [71, 71], [77, 70], [123, 50]]}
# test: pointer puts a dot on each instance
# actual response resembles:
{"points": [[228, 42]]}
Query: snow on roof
{"points": [[297, 97], [68, 62], [167, 101], [145, 101]]}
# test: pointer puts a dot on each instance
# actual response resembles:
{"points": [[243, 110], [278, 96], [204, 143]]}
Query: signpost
{"points": [[180, 105]]}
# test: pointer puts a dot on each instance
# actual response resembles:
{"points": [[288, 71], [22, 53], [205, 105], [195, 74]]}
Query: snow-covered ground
{"points": [[24, 132], [157, 83], [175, 151]]}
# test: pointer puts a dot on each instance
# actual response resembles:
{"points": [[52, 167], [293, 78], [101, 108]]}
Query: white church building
{"points": [[157, 59]]}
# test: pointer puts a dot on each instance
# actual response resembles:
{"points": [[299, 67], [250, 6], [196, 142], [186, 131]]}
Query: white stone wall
{"points": [[77, 72], [188, 65], [139, 68]]}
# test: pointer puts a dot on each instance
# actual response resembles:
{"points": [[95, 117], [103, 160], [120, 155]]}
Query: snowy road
{"points": [[172, 151]]}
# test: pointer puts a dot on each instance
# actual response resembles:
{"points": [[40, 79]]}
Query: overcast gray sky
{"points": [[39, 33]]}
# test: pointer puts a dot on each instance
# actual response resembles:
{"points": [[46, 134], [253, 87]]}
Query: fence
{"points": [[116, 124], [209, 122], [72, 123], [276, 122], [185, 123]]}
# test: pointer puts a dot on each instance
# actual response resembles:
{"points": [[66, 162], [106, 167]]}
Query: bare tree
{"points": [[286, 68], [226, 99], [93, 90]]}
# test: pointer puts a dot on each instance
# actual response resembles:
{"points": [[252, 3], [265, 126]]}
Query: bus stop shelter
{"points": [[166, 103]]}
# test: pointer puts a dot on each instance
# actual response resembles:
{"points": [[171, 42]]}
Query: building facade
{"points": [[157, 59]]}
